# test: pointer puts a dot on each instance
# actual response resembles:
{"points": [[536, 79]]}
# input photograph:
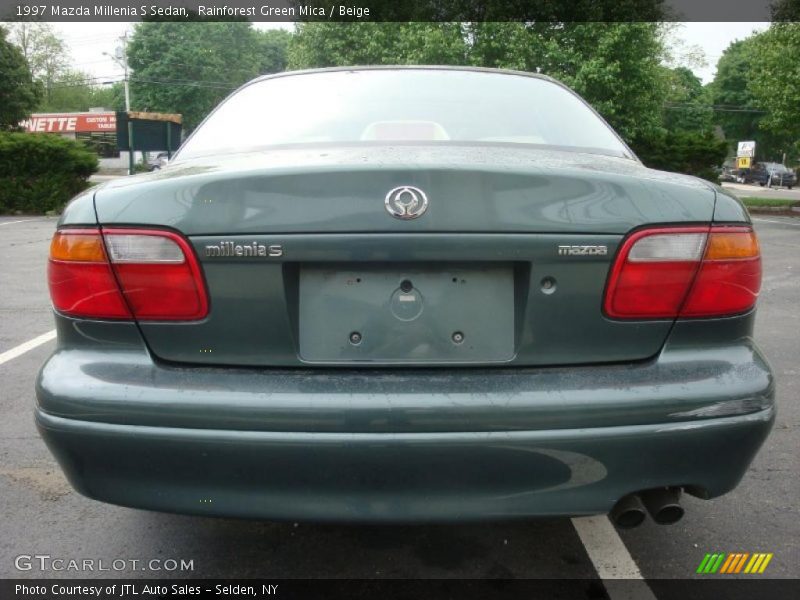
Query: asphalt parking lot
{"points": [[42, 515]]}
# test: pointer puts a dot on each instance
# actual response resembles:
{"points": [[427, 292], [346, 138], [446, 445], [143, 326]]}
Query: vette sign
{"points": [[70, 122]]}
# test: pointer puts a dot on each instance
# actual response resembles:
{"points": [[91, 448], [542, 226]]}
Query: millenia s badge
{"points": [[226, 249], [582, 250]]}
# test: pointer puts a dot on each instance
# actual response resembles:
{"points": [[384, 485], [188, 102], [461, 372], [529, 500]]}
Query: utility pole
{"points": [[121, 58]]}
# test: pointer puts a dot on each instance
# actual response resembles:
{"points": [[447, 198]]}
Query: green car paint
{"points": [[257, 411], [538, 199]]}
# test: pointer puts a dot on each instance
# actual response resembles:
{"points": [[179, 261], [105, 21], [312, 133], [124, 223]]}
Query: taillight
{"points": [[125, 273], [685, 272], [80, 277]]}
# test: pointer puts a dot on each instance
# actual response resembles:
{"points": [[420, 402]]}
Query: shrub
{"points": [[41, 172], [683, 152]]}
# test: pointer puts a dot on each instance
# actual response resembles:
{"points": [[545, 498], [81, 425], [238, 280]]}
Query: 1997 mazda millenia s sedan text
{"points": [[405, 294]]}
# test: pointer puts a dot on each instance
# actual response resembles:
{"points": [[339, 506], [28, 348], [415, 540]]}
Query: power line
{"points": [[743, 109], [188, 83]]}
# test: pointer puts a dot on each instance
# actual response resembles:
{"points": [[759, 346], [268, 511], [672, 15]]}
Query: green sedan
{"points": [[405, 294]]}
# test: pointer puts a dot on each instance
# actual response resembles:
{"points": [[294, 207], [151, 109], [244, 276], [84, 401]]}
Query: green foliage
{"points": [[687, 106], [72, 92], [44, 51], [18, 93], [63, 90], [614, 66], [756, 92], [366, 43], [272, 46], [188, 68], [41, 172], [683, 152], [775, 79], [729, 92]]}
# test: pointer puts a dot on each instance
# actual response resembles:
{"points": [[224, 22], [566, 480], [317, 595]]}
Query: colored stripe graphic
{"points": [[764, 564], [753, 564], [703, 563], [733, 557], [715, 562], [734, 562], [728, 563], [741, 562]]}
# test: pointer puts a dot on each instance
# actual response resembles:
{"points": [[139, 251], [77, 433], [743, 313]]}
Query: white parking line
{"points": [[773, 221], [611, 559], [29, 345], [12, 222]]}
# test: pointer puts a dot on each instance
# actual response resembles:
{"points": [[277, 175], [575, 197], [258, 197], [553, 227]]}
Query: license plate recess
{"points": [[405, 313]]}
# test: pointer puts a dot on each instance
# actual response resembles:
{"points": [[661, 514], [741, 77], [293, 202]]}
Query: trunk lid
{"points": [[299, 253]]}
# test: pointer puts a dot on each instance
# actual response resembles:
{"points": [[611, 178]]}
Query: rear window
{"points": [[413, 105]]}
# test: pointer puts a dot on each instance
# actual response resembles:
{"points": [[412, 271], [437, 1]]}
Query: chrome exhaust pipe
{"points": [[628, 512], [664, 505]]}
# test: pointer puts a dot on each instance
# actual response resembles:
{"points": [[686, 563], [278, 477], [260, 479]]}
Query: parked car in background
{"points": [[154, 163], [771, 174], [440, 294]]}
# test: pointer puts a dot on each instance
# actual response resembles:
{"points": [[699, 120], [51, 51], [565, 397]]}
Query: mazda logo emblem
{"points": [[406, 202]]}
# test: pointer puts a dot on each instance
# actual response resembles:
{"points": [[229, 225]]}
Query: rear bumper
{"points": [[400, 445], [398, 477]]}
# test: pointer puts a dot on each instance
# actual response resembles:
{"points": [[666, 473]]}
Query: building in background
{"points": [[98, 129]]}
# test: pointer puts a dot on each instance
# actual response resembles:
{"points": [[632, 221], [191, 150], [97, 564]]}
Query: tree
{"points": [[774, 81], [75, 91], [272, 47], [45, 52], [614, 66], [688, 105], [320, 44], [742, 97], [737, 110], [18, 92], [189, 68], [692, 152]]}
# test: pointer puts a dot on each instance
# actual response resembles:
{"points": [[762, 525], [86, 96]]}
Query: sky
{"points": [[88, 41]]}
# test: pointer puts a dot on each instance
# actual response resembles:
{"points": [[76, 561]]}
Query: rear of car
{"points": [[445, 294]]}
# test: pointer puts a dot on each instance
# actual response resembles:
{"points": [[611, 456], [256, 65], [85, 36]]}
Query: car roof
{"points": [[408, 68]]}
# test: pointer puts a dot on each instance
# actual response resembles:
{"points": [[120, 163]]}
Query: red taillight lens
{"points": [[729, 278], [158, 273], [80, 278], [686, 272], [156, 270]]}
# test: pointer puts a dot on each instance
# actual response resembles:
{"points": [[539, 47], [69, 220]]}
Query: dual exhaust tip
{"points": [[662, 504]]}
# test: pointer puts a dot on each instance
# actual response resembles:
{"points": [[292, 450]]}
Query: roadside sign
{"points": [[747, 149], [70, 122], [743, 162]]}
